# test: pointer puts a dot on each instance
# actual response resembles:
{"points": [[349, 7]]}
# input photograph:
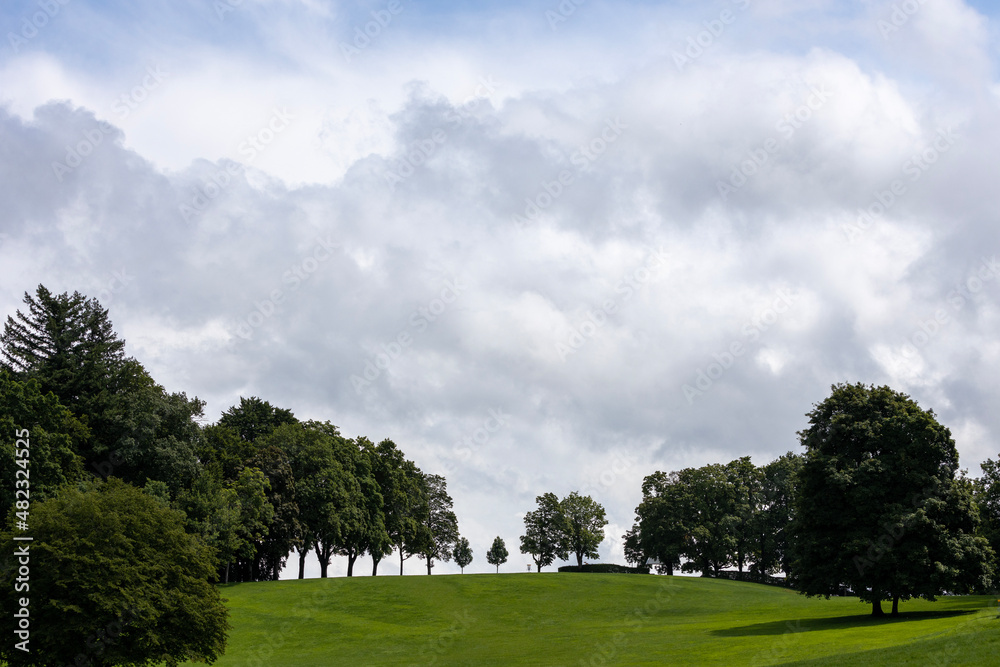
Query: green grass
{"points": [[590, 619]]}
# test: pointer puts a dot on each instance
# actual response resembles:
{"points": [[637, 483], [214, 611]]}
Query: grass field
{"points": [[590, 619]]}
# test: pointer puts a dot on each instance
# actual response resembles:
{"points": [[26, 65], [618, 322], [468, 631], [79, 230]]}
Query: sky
{"points": [[542, 246]]}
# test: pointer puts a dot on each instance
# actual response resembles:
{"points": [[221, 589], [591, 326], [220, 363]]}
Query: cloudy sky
{"points": [[543, 246]]}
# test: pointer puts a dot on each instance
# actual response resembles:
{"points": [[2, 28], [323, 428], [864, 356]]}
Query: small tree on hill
{"points": [[462, 553], [497, 555]]}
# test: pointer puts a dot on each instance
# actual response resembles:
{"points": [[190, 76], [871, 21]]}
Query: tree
{"points": [[441, 523], [879, 508], [497, 555], [254, 418], [745, 479], [987, 498], [462, 553], [67, 344], [709, 518], [660, 531], [585, 521], [368, 529], [545, 532], [54, 437], [775, 512], [326, 492], [375, 540], [115, 580]]}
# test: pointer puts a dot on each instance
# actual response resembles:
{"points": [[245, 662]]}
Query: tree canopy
{"points": [[879, 508], [111, 556]]}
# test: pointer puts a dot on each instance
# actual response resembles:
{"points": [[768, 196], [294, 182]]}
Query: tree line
{"points": [[876, 506], [230, 501]]}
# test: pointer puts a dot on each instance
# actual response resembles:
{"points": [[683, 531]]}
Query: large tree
{"points": [[585, 522], [115, 580], [66, 342], [440, 521], [254, 418], [497, 555], [545, 530], [879, 508]]}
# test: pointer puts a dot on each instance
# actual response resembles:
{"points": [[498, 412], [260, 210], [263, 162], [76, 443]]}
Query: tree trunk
{"points": [[877, 608], [401, 560], [895, 605], [375, 562], [579, 559], [429, 565], [498, 569], [350, 564], [302, 563], [226, 579], [670, 568]]}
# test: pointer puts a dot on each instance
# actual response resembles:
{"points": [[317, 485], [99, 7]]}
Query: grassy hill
{"points": [[590, 619]]}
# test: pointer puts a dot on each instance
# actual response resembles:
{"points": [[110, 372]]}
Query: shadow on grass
{"points": [[834, 623]]}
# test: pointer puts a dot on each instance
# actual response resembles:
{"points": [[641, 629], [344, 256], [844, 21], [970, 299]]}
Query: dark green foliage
{"points": [[604, 568], [115, 578], [254, 418], [545, 532], [497, 555], [878, 507], [54, 436]]}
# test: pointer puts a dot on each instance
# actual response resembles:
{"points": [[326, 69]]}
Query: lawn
{"points": [[590, 619]]}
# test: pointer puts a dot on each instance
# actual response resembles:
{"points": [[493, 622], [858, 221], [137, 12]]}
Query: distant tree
{"points": [[545, 532], [462, 553], [376, 542], [878, 505], [254, 418], [987, 498], [440, 522], [710, 518], [746, 480], [660, 532], [115, 580], [773, 519], [497, 555], [585, 522], [368, 530], [326, 492]]}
